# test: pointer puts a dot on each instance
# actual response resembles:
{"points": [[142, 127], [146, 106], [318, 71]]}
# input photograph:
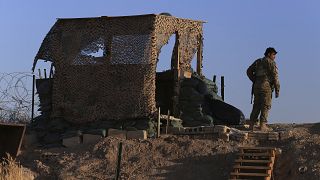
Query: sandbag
{"points": [[226, 113]]}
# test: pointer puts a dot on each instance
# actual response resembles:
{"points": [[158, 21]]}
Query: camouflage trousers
{"points": [[261, 105]]}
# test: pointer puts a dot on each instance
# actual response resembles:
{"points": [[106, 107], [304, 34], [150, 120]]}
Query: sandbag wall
{"points": [[193, 92], [201, 106]]}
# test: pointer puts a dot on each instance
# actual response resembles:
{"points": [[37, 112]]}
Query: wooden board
{"points": [[11, 136]]}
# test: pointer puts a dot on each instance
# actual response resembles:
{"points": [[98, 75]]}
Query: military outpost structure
{"points": [[105, 69], [120, 83]]}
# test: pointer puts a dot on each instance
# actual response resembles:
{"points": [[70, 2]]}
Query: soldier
{"points": [[264, 75]]}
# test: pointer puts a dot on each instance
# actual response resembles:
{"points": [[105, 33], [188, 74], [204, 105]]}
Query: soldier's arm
{"points": [[275, 78], [251, 71]]}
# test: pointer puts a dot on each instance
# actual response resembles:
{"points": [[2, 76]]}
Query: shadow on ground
{"points": [[315, 128], [204, 167]]}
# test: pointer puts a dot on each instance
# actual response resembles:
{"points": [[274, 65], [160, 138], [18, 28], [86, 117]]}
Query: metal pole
{"points": [[32, 103], [222, 87], [119, 161]]}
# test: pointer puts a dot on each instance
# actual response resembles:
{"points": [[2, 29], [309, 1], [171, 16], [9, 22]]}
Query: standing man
{"points": [[264, 75]]}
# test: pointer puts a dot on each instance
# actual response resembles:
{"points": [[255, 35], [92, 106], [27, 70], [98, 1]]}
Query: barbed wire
{"points": [[16, 97]]}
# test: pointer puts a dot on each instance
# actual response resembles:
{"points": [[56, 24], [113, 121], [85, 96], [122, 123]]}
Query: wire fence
{"points": [[16, 97]]}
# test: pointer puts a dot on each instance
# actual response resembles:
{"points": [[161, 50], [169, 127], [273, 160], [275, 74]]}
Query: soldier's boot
{"points": [[264, 127], [257, 123], [251, 125]]}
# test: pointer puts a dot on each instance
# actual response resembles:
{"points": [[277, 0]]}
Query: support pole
{"points": [[214, 78], [158, 131], [119, 161], [168, 118], [222, 87], [199, 56], [51, 71], [45, 73], [176, 77], [39, 74], [32, 103]]}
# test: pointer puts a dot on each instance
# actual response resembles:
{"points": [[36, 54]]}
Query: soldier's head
{"points": [[270, 53]]}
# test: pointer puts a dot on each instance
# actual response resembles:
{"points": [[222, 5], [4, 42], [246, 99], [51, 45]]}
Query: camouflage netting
{"points": [[105, 67]]}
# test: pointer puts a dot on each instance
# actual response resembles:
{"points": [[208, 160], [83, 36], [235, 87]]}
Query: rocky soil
{"points": [[175, 157]]}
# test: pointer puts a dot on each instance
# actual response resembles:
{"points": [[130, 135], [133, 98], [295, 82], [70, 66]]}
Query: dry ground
{"points": [[175, 157]]}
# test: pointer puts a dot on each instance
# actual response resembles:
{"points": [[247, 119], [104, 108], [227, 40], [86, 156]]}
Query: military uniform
{"points": [[264, 75]]}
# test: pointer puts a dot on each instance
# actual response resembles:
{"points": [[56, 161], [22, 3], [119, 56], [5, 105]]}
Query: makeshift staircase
{"points": [[254, 163]]}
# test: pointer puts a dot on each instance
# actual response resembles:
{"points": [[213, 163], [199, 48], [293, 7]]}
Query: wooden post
{"points": [[119, 161], [222, 87], [199, 56], [168, 121], [158, 132], [51, 71], [39, 74], [45, 73], [32, 103], [214, 78], [176, 78]]}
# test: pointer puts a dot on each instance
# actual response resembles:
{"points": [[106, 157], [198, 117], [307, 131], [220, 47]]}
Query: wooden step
{"points": [[250, 174], [252, 161], [251, 167], [239, 179], [257, 148], [255, 154]]}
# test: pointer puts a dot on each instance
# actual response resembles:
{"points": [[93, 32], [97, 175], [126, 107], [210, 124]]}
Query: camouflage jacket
{"points": [[264, 74]]}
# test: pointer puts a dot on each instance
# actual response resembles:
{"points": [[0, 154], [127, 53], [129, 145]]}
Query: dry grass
{"points": [[11, 170]]}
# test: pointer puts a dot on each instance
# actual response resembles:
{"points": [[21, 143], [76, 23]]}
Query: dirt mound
{"points": [[172, 157]]}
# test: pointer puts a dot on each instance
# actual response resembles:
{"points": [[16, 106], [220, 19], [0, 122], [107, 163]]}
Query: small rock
{"points": [[303, 169], [278, 151]]}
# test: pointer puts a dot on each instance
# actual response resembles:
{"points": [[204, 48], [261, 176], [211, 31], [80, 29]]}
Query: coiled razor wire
{"points": [[16, 97]]}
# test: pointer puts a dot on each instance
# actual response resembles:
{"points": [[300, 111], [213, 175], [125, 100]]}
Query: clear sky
{"points": [[237, 33]]}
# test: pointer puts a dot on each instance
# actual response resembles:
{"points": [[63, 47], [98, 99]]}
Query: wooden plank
{"points": [[270, 152], [258, 135], [176, 77], [158, 126], [258, 148], [251, 167], [11, 136], [250, 174], [199, 56], [256, 151], [253, 161], [168, 121], [170, 118], [254, 154]]}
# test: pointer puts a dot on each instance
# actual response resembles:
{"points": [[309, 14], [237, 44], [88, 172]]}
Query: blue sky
{"points": [[236, 34]]}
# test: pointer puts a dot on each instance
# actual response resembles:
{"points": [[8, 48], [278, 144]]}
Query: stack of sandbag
{"points": [[192, 100]]}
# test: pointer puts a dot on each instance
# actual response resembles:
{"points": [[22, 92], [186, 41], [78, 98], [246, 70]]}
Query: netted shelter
{"points": [[105, 67]]}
